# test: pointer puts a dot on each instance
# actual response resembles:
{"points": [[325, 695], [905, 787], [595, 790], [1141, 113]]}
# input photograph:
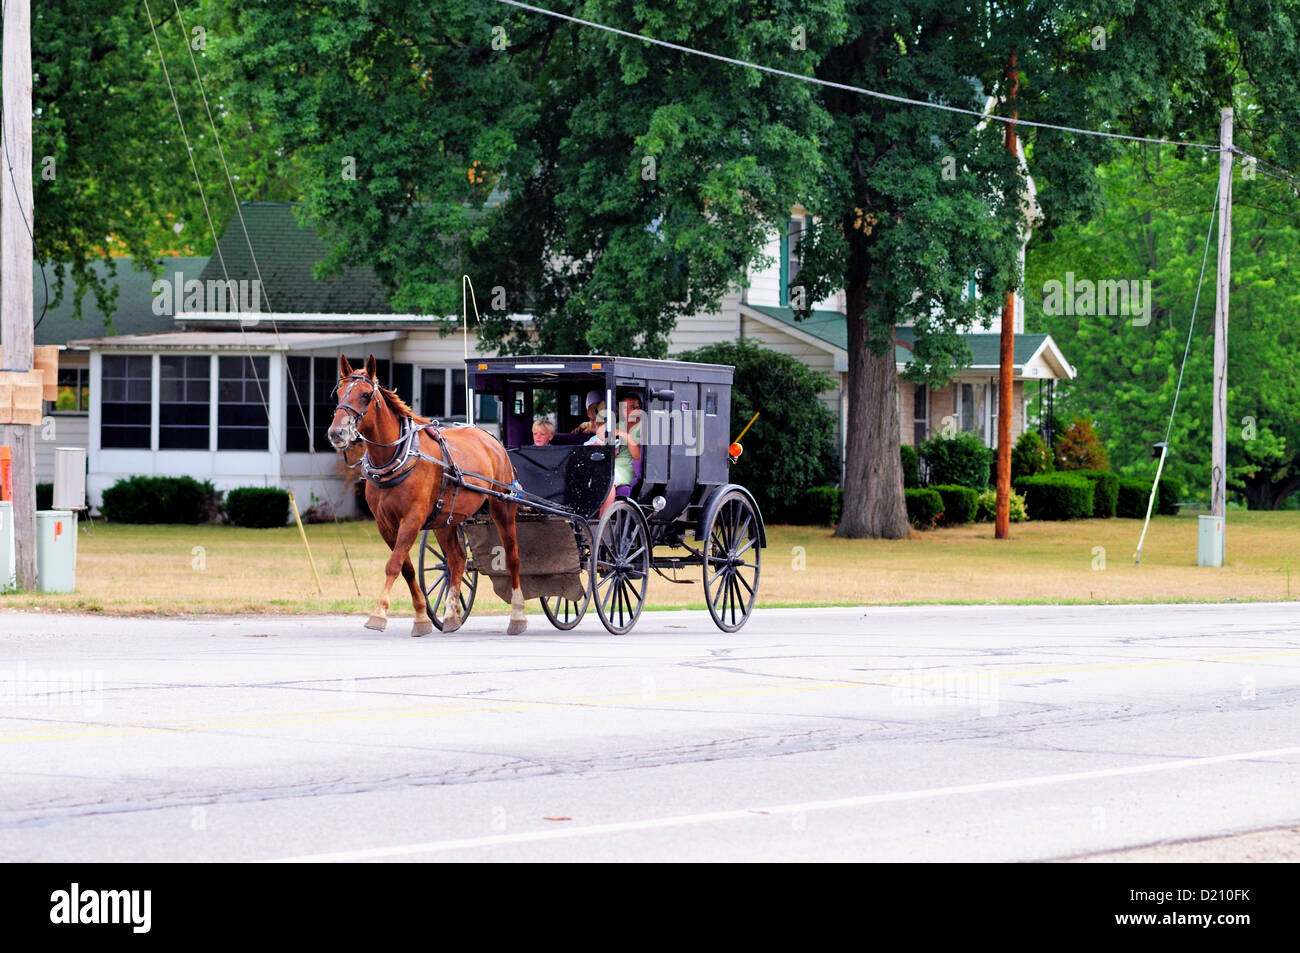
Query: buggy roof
{"points": [[623, 370]]}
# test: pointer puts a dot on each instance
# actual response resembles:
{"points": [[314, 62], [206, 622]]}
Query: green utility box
{"points": [[56, 550], [7, 563], [1209, 541]]}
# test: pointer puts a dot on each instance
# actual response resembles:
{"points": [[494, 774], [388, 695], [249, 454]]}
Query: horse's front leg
{"points": [[422, 625], [407, 531], [503, 515], [454, 553]]}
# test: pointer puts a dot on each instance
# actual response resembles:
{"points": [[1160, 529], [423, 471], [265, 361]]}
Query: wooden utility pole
{"points": [[1219, 449], [16, 269], [1006, 360]]}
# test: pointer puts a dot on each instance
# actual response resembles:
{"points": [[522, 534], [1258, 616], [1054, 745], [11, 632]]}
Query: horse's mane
{"points": [[400, 407]]}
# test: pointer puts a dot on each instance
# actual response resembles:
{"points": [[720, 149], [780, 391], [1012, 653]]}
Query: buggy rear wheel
{"points": [[731, 557], [565, 613], [620, 566], [435, 578]]}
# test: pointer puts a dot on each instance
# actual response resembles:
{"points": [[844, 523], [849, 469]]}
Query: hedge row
{"points": [[159, 499], [924, 507], [959, 504], [1057, 496]]}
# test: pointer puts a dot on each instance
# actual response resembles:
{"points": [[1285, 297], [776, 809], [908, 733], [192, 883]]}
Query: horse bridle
{"points": [[357, 415]]}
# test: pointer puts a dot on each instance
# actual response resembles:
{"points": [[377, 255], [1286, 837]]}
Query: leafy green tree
{"points": [[1152, 227], [791, 446], [111, 175], [608, 187]]}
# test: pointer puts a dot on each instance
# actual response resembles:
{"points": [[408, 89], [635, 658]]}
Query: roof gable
{"points": [[286, 253]]}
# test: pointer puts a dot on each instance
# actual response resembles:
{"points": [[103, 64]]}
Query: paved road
{"points": [[927, 733]]}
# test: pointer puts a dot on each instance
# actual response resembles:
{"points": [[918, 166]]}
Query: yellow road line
{"points": [[581, 701]]}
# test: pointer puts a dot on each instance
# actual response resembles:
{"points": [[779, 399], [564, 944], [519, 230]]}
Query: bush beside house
{"points": [[959, 504], [962, 460], [259, 507], [159, 499], [924, 507], [1057, 496]]}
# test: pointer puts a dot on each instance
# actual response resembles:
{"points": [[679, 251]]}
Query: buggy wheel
{"points": [[620, 566], [731, 556], [435, 578], [565, 613]]}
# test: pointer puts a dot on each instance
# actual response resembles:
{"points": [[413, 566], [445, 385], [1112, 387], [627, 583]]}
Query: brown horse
{"points": [[413, 492]]}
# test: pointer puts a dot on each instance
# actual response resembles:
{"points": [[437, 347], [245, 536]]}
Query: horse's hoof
{"points": [[424, 627], [516, 626], [378, 623], [451, 625]]}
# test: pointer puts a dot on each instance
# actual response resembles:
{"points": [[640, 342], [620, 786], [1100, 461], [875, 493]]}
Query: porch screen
{"points": [[127, 380], [315, 379], [241, 416], [184, 396]]}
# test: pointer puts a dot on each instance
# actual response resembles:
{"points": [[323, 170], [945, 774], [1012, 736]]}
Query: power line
{"points": [[889, 97]]}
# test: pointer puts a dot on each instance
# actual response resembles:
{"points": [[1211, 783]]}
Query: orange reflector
{"points": [[595, 367], [482, 367], [735, 450]]}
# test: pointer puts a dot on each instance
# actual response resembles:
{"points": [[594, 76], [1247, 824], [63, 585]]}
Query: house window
{"points": [[296, 429], [74, 390], [972, 409], [241, 415], [125, 407], [921, 415], [442, 393], [184, 396]]}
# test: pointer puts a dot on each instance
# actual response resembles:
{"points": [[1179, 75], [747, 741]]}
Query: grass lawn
{"points": [[222, 569]]}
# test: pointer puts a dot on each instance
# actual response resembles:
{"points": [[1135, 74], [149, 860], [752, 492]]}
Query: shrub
{"points": [[1057, 496], [1030, 456], [962, 460], [1168, 495], [1079, 448], [1131, 498], [959, 504], [158, 499], [45, 496], [911, 467], [924, 507], [792, 445], [819, 506], [258, 507], [1105, 491], [986, 510]]}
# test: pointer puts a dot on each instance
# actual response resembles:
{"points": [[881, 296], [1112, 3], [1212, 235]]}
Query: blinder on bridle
{"points": [[352, 412]]}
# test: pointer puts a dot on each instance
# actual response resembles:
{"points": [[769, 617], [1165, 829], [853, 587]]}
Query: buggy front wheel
{"points": [[620, 566], [732, 542]]}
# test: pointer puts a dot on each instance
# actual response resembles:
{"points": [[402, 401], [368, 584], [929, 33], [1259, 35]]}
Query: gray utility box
{"points": [[56, 550], [8, 564], [1209, 540]]}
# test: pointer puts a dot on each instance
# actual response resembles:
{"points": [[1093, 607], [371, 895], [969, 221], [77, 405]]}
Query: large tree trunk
{"points": [[1262, 493], [873, 472]]}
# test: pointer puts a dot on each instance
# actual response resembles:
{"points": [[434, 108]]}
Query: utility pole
{"points": [[16, 270], [1006, 360], [1219, 455], [1211, 529]]}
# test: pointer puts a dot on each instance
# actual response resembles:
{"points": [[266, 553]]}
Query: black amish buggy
{"points": [[679, 497]]}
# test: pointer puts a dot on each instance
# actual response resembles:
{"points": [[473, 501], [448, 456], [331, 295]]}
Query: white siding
{"points": [[701, 329], [64, 430]]}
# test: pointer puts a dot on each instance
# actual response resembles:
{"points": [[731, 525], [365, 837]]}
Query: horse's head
{"points": [[357, 392]]}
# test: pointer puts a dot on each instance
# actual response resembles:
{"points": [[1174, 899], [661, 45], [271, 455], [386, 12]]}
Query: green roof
{"points": [[286, 252], [830, 327], [133, 313]]}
